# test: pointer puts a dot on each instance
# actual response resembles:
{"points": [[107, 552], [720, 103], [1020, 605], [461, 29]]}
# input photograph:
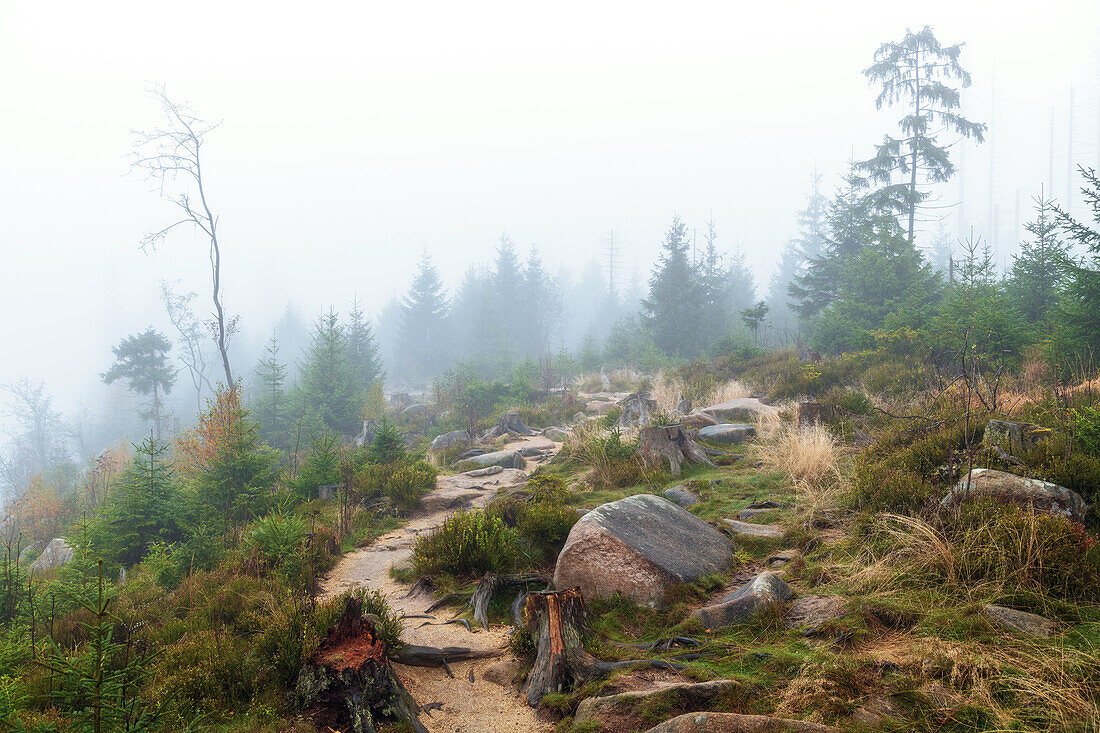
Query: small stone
{"points": [[502, 673], [747, 529], [726, 433], [810, 612], [1028, 623], [682, 495], [765, 590], [482, 472], [736, 723]]}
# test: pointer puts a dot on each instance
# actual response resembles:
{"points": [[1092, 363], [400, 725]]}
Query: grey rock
{"points": [[471, 453], [747, 529], [578, 416], [56, 554], [697, 420], [450, 440], [414, 411], [558, 435], [503, 673], [682, 496], [1028, 623], [736, 723], [810, 612], [502, 458], [1007, 488], [30, 550], [727, 433], [684, 405], [1013, 435], [783, 557], [765, 590], [741, 409], [605, 383], [686, 694], [747, 514], [488, 470], [640, 546]]}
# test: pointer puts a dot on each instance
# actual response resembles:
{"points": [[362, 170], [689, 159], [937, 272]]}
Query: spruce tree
{"points": [[912, 72], [1040, 268], [673, 307], [328, 386], [542, 307], [718, 287], [270, 406], [363, 351], [142, 508], [424, 339], [1080, 306]]}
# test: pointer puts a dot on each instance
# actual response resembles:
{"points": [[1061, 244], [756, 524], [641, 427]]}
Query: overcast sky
{"points": [[356, 134]]}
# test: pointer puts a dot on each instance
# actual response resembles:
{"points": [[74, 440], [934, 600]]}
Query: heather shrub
{"points": [[466, 544]]}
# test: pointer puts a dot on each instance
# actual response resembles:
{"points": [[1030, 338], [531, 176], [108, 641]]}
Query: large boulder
{"points": [[1013, 435], [727, 433], [741, 409], [502, 458], [736, 723], [30, 550], [414, 411], [640, 546], [764, 591], [450, 440], [1008, 488], [56, 554]]}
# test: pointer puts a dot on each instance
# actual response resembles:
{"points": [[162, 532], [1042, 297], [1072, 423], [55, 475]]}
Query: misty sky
{"points": [[357, 134]]}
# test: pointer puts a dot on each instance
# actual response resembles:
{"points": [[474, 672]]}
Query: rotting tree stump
{"points": [[557, 621], [673, 443], [348, 682]]}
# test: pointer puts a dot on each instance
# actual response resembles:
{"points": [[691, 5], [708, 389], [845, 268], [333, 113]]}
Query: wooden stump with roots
{"points": [[349, 683], [557, 621], [673, 443]]}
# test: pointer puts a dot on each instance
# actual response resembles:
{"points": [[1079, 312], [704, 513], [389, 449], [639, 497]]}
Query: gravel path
{"points": [[467, 707]]}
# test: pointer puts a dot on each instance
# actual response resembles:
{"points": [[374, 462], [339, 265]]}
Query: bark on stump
{"points": [[672, 443], [349, 682], [556, 620]]}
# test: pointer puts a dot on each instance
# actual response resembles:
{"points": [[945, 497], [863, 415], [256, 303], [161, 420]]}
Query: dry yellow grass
{"points": [[808, 455]]}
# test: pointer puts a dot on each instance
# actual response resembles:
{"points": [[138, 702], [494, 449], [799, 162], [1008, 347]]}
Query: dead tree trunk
{"points": [[556, 620], [492, 584], [670, 442], [349, 683]]}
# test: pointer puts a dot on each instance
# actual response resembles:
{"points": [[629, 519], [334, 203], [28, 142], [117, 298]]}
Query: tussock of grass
{"points": [[808, 456]]}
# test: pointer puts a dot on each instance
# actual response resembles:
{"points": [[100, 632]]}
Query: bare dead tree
{"points": [[166, 155], [190, 337]]}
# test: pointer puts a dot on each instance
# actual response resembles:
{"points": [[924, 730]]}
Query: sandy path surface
{"points": [[467, 707]]}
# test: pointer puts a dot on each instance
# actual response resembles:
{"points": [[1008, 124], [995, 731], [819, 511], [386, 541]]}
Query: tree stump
{"points": [[349, 683], [637, 410], [556, 620], [672, 443]]}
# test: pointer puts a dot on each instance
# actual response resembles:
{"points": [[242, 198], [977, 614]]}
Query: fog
{"points": [[354, 136]]}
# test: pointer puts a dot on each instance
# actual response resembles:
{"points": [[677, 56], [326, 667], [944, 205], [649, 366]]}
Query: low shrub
{"points": [[407, 483], [545, 526], [403, 481], [466, 544], [1027, 550]]}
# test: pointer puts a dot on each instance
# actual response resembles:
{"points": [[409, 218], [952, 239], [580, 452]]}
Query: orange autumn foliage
{"points": [[195, 448]]}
